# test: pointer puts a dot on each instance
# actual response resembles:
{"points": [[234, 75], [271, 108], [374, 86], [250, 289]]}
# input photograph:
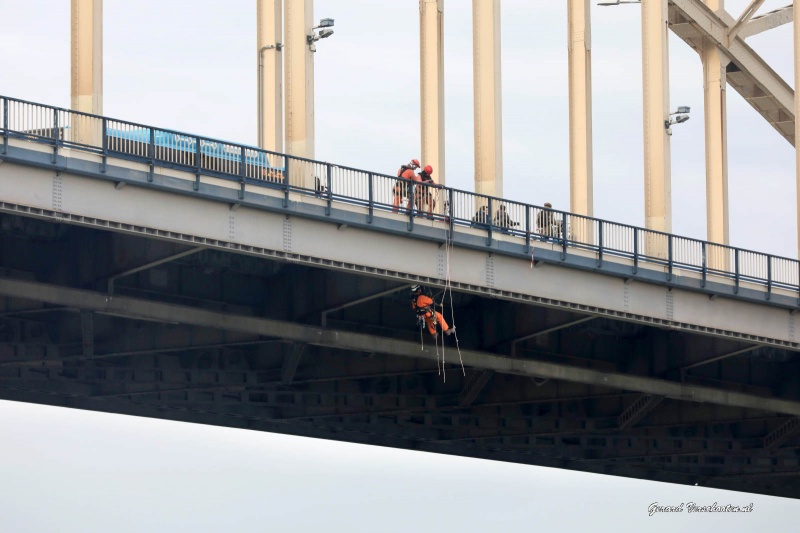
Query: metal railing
{"points": [[334, 183]]}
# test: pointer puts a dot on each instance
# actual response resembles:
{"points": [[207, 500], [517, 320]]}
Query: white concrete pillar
{"points": [[270, 74], [797, 122], [580, 107], [715, 108], [487, 100], [299, 80], [579, 28], [431, 63], [86, 85], [655, 80]]}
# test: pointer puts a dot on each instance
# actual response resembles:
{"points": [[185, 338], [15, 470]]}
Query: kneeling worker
{"points": [[423, 305]]}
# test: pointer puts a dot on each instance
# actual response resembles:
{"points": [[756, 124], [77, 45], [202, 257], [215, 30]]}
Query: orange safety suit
{"points": [[401, 187], [423, 305]]}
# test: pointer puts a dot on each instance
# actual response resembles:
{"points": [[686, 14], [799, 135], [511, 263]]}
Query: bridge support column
{"points": [[580, 116], [86, 30], [270, 74], [655, 78], [797, 114], [431, 61], [299, 79], [714, 86], [488, 102]]}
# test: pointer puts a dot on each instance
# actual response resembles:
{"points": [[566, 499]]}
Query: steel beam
{"points": [[473, 386], [292, 362], [768, 21], [431, 80], [749, 74], [743, 19], [269, 37], [781, 434], [637, 410], [487, 83], [151, 264], [547, 330], [87, 333], [138, 309], [324, 316]]}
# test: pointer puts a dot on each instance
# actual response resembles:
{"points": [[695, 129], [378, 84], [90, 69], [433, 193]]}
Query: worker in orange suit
{"points": [[406, 172], [423, 305]]}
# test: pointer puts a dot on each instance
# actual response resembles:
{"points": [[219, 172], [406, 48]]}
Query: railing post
{"points": [[371, 205], [5, 125], [286, 181], [242, 171], [599, 243], [450, 211], [489, 222], [411, 205], [736, 271], [151, 154], [563, 236], [705, 263], [104, 143], [329, 169], [769, 277], [669, 257], [635, 250], [55, 136], [197, 154], [527, 229]]}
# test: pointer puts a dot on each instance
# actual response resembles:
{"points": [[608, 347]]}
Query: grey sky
{"points": [[190, 65]]}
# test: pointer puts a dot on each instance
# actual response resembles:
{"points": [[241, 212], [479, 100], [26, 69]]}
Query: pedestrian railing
{"points": [[334, 183]]}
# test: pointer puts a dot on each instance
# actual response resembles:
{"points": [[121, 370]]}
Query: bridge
{"points": [[157, 273]]}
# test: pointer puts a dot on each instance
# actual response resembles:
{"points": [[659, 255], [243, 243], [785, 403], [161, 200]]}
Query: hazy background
{"points": [[191, 65]]}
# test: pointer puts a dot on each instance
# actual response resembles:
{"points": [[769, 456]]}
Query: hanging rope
{"points": [[448, 287]]}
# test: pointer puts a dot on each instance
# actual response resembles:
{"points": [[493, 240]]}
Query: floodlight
{"points": [[325, 33], [681, 119], [325, 23]]}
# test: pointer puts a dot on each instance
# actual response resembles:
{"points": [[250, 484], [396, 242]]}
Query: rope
{"points": [[448, 286]]}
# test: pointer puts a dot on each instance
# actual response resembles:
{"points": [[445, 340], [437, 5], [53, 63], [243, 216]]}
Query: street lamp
{"points": [[677, 117], [324, 32]]}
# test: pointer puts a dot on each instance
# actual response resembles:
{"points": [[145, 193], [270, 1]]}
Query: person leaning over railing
{"points": [[503, 221], [425, 197], [481, 218], [547, 222], [406, 173]]}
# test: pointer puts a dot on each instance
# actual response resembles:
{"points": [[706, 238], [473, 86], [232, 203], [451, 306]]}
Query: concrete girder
{"points": [[135, 308], [749, 74]]}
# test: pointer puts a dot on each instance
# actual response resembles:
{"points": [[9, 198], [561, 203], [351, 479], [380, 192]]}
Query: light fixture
{"points": [[323, 33], [618, 2], [677, 117]]}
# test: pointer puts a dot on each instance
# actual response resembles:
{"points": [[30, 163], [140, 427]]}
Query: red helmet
{"points": [[428, 169], [415, 163]]}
